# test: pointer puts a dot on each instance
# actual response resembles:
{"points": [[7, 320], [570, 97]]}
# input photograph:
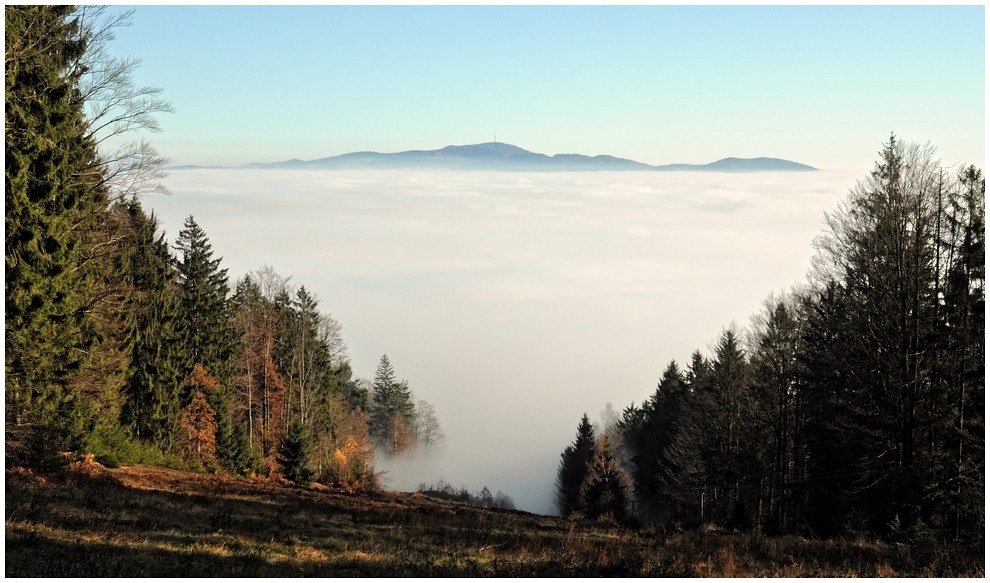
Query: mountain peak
{"points": [[486, 149]]}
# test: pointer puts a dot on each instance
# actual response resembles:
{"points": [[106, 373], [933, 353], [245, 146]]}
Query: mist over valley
{"points": [[514, 301]]}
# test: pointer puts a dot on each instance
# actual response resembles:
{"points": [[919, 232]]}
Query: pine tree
{"points": [[574, 466], [650, 439], [837, 433], [733, 459], [295, 454], [691, 477], [963, 480], [47, 192], [392, 409], [238, 455], [154, 376], [207, 338], [205, 331]]}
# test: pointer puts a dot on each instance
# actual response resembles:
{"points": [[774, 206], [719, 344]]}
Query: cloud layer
{"points": [[514, 302]]}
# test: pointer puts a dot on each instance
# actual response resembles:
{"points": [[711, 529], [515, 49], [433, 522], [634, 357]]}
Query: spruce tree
{"points": [[880, 248], [154, 375], [206, 333], [392, 409], [687, 482], [650, 441], [606, 488], [963, 459], [47, 192], [295, 453], [574, 465]]}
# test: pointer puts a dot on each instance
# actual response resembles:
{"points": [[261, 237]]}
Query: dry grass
{"points": [[145, 521]]}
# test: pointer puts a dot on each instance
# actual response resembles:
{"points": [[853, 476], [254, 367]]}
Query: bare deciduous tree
{"points": [[429, 434], [117, 108]]}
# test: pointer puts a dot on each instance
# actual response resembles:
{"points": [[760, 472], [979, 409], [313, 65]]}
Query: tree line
{"points": [[853, 403], [122, 345]]}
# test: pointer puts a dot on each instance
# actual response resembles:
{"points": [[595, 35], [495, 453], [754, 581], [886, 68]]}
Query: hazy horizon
{"points": [[269, 163], [823, 85], [515, 302]]}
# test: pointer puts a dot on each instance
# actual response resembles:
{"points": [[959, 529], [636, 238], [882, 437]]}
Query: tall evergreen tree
{"points": [[838, 433], [206, 333], [392, 409], [575, 462], [207, 337], [711, 461], [48, 191], [154, 375], [295, 453], [650, 441], [957, 493]]}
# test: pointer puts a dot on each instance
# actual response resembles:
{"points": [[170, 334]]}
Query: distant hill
{"points": [[742, 165], [506, 157]]}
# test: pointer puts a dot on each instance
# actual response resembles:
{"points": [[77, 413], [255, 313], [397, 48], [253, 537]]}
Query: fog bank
{"points": [[515, 302]]}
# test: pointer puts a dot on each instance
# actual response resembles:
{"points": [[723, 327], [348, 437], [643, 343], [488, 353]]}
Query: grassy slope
{"points": [[145, 521]]}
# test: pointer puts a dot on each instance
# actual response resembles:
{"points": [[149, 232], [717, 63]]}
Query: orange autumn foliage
{"points": [[197, 422]]}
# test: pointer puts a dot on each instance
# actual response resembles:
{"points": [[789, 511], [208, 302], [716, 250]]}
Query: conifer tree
{"points": [[207, 337], [154, 375], [392, 409], [295, 455], [238, 455], [649, 440], [47, 191], [606, 487], [690, 453], [881, 248], [205, 331], [305, 357], [573, 469]]}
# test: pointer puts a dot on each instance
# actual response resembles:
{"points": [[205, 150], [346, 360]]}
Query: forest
{"points": [[852, 404], [135, 351]]}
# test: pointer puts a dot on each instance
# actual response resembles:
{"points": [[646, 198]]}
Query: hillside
{"points": [[507, 157], [148, 521]]}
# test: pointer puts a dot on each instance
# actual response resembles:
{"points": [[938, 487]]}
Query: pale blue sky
{"points": [[660, 84]]}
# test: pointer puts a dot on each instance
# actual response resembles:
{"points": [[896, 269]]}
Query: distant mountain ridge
{"points": [[506, 157]]}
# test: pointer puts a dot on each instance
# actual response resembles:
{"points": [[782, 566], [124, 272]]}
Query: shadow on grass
{"points": [[140, 522], [37, 557]]}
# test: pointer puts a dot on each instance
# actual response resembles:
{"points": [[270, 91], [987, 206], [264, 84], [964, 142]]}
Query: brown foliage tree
{"points": [[198, 431]]}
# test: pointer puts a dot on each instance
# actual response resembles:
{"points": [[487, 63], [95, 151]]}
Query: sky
{"points": [[822, 85], [516, 302]]}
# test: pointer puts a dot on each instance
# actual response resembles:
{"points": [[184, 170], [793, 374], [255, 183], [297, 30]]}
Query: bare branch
{"points": [[116, 108]]}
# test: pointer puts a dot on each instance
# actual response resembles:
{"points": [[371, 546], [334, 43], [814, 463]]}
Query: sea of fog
{"points": [[515, 302]]}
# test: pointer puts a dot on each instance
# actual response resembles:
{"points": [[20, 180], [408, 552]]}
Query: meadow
{"points": [[142, 521]]}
